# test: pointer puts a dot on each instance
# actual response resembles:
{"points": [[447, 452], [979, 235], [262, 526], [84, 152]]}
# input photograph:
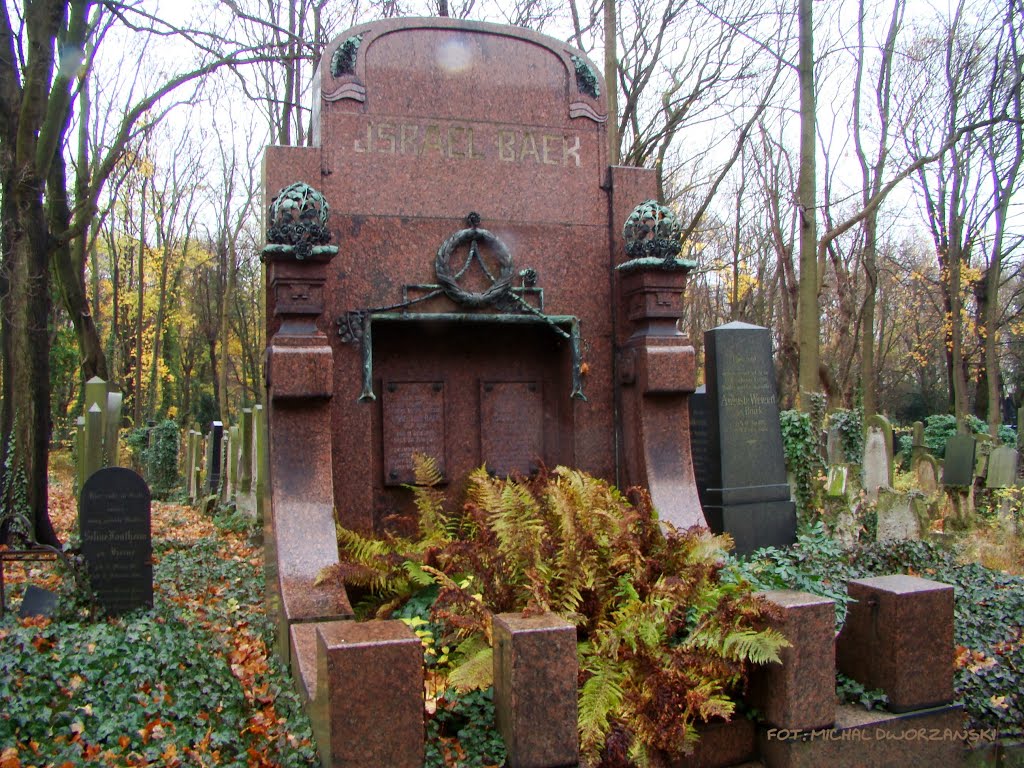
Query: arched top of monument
{"points": [[415, 65]]}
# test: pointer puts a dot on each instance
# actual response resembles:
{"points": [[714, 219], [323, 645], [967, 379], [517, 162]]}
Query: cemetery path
{"points": [[191, 683]]}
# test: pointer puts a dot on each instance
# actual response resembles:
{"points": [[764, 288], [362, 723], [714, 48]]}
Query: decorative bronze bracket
{"points": [[510, 301], [567, 326]]}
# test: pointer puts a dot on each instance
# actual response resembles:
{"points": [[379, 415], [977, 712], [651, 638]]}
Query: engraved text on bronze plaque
{"points": [[511, 426], [413, 416]]}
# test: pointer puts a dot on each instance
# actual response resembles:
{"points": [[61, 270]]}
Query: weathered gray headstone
{"points": [[190, 465], [93, 442], [1020, 428], [258, 449], [1002, 467], [114, 520], [748, 495], [836, 487], [113, 427], [984, 446], [227, 476], [926, 469], [918, 446], [877, 467], [896, 517], [37, 602], [244, 476], [834, 450], [958, 468]]}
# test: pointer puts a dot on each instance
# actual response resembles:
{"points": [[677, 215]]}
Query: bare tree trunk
{"points": [[867, 318], [225, 326], [31, 375], [141, 309], [808, 319], [611, 79]]}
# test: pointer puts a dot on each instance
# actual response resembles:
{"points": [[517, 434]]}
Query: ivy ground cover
{"points": [[193, 682]]}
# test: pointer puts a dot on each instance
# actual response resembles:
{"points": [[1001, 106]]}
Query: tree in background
{"points": [[41, 65]]}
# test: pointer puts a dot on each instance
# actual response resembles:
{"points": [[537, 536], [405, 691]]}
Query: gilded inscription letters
{"points": [[464, 142]]}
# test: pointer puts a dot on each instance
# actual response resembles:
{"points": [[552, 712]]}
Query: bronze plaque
{"points": [[413, 416], [295, 296], [511, 426]]}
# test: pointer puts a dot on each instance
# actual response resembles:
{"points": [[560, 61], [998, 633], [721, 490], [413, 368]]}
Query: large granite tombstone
{"points": [[117, 544], [748, 495], [460, 337], [441, 279]]}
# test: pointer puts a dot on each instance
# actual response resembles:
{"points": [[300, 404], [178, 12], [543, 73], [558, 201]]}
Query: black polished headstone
{"points": [[214, 469], [748, 494], [117, 544], [958, 464], [699, 440]]}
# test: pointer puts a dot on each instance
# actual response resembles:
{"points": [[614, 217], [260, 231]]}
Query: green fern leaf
{"points": [[756, 647], [476, 672], [600, 699]]}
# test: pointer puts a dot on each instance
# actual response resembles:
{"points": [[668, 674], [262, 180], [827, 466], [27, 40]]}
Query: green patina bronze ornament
{"points": [[586, 80], [297, 223], [343, 62], [448, 278], [652, 235]]}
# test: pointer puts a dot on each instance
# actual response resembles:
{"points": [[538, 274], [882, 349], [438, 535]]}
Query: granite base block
{"points": [[722, 745], [368, 709], [799, 693], [535, 695], [752, 526], [923, 739], [898, 637], [302, 641]]}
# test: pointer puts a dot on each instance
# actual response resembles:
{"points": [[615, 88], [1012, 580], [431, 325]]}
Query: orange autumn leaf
{"points": [[9, 758]]}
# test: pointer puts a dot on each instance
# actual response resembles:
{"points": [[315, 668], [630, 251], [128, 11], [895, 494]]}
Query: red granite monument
{"points": [[447, 274]]}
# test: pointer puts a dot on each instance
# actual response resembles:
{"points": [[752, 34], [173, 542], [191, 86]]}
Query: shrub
{"points": [[851, 431], [664, 639], [803, 460], [155, 454], [940, 427]]}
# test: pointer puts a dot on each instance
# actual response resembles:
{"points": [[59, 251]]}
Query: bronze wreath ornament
{"points": [[500, 285]]}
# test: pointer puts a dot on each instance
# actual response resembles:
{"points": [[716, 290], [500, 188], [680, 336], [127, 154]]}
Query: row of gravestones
{"points": [[96, 437], [224, 465], [968, 458], [968, 461]]}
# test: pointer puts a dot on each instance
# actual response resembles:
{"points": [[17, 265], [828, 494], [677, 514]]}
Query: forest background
{"points": [[846, 175]]}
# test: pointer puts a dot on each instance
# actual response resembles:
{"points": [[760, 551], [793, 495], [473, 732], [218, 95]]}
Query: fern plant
{"points": [[665, 642]]}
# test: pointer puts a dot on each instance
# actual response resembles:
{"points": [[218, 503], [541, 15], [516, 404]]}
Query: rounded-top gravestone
{"points": [[114, 519]]}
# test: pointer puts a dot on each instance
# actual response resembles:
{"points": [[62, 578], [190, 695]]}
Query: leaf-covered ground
{"points": [[191, 683]]}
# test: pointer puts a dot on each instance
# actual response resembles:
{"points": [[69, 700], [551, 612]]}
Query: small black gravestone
{"points": [[748, 494], [37, 602], [958, 465], [699, 439], [213, 469], [114, 518]]}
